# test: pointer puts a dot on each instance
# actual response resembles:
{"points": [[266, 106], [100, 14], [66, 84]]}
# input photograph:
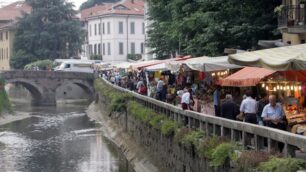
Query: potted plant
{"points": [[278, 10], [302, 3]]}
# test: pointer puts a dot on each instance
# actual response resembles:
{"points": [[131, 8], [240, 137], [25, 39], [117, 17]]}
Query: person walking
{"points": [[248, 108], [216, 99], [229, 109], [159, 89], [260, 106], [185, 100]]}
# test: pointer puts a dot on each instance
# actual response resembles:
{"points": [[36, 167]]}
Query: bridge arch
{"points": [[35, 91], [83, 84]]}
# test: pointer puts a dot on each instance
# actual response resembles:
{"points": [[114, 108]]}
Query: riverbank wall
{"points": [[160, 149]]}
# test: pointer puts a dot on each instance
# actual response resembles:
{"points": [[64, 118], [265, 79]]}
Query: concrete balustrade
{"points": [[249, 135]]}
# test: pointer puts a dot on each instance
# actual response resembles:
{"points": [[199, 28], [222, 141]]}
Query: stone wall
{"points": [[168, 155]]}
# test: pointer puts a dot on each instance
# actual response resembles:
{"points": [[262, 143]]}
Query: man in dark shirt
{"points": [[229, 109], [261, 104]]}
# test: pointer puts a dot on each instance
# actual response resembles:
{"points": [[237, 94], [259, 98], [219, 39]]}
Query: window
{"points": [[7, 35], [90, 49], [108, 27], [95, 49], [103, 48], [289, 42], [141, 48], [143, 28], [132, 48], [99, 49], [120, 27], [95, 29], [7, 53], [303, 41], [132, 27], [99, 28], [121, 52], [89, 30], [103, 28], [108, 49], [1, 36]]}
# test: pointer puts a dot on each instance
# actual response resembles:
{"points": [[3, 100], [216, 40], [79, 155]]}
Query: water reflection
{"points": [[58, 139]]}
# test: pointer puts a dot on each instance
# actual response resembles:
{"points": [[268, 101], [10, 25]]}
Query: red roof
{"points": [[14, 10], [125, 7], [246, 77]]}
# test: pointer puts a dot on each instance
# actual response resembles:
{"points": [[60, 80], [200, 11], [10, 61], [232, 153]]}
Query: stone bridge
{"points": [[43, 84]]}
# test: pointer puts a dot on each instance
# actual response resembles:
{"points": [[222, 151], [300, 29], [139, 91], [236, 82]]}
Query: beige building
{"points": [[6, 45], [292, 15], [8, 20]]}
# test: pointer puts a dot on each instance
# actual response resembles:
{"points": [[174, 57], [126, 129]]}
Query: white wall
{"points": [[114, 37]]}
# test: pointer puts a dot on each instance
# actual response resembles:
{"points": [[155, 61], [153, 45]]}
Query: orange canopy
{"points": [[246, 77]]}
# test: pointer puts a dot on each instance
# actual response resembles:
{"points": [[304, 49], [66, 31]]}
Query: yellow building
{"points": [[6, 45], [291, 21], [8, 19]]}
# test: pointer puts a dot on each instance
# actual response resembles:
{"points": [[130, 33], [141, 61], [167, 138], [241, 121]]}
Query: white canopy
{"points": [[279, 59], [210, 64]]}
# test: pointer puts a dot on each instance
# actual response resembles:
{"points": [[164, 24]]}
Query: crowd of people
{"points": [[248, 107]]}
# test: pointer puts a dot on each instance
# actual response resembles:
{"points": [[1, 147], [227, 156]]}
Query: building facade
{"points": [[117, 32], [292, 21], [8, 20], [6, 45]]}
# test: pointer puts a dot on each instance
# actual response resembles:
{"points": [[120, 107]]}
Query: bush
{"points": [[282, 165], [223, 153], [96, 57], [250, 160], [168, 127], [156, 121], [192, 138], [206, 147], [42, 64], [180, 134]]}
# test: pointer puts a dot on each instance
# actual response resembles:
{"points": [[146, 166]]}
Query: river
{"points": [[58, 139]]}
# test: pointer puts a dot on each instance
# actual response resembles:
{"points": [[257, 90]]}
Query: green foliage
{"points": [[140, 112], [206, 27], [169, 127], [222, 153], [206, 147], [42, 64], [96, 57], [157, 121], [181, 133], [134, 57], [91, 3], [118, 101], [192, 138], [282, 165], [5, 104], [249, 160], [50, 31], [302, 1]]}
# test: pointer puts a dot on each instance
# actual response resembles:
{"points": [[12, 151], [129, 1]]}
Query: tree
{"points": [[50, 31], [91, 3], [206, 27]]}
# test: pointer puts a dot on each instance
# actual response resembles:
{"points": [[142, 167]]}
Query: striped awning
{"points": [[279, 59]]}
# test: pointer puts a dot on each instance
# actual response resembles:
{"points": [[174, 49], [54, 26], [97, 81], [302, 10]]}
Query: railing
{"points": [[249, 135], [292, 15]]}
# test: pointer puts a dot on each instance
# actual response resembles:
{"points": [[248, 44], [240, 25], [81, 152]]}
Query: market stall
{"points": [[288, 86]]}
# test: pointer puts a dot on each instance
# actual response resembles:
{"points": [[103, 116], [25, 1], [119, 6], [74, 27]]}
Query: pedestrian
{"points": [[261, 104], [159, 89], [229, 109], [274, 116], [216, 99], [185, 101], [248, 108]]}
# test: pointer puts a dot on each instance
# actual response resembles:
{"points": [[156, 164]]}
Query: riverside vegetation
{"points": [[217, 150], [5, 105]]}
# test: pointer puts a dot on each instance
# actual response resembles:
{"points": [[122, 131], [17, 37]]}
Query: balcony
{"points": [[292, 18]]}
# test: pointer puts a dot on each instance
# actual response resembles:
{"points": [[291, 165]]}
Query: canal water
{"points": [[58, 139]]}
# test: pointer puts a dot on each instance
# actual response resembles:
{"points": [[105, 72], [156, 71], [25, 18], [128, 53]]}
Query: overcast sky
{"points": [[77, 3]]}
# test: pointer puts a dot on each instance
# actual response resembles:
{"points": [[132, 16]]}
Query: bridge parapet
{"points": [[45, 74], [249, 135]]}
